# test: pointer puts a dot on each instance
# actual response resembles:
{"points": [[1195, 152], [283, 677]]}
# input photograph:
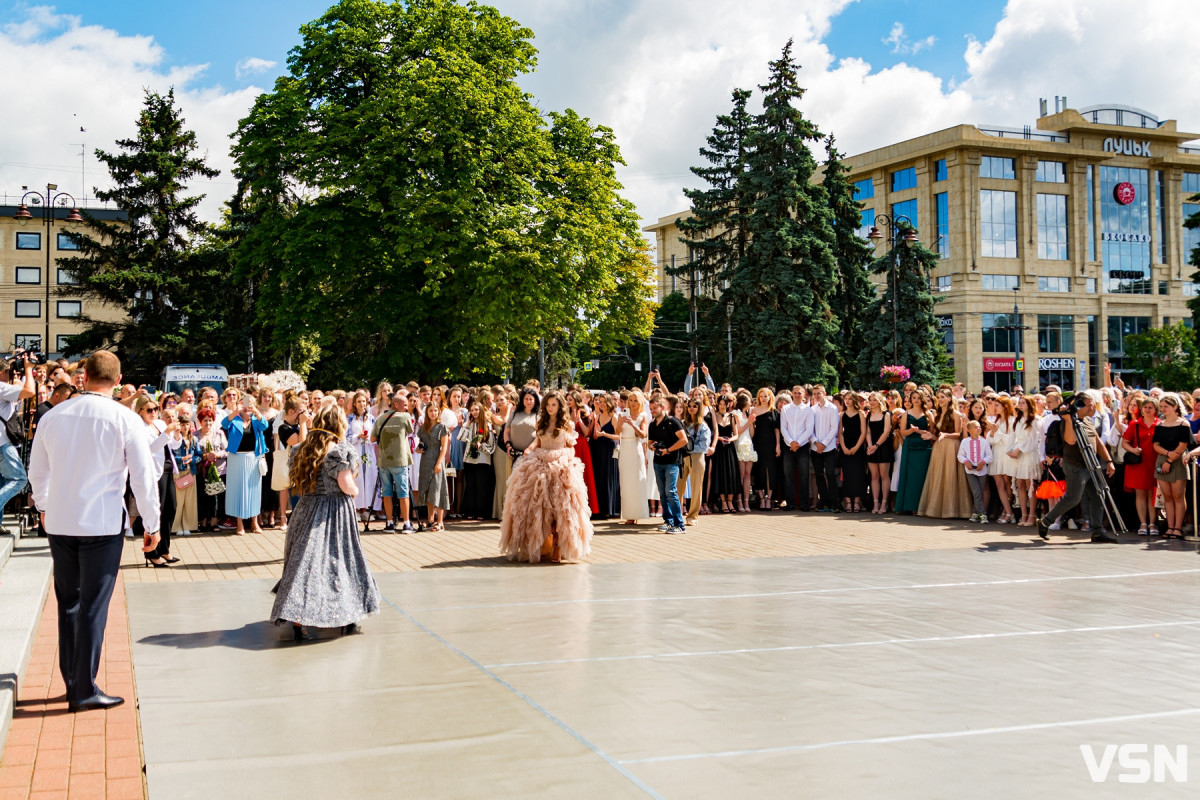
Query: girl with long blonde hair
{"points": [[326, 582]]}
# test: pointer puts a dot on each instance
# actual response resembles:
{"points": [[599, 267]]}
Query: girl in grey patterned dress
{"points": [[326, 581], [432, 490]]}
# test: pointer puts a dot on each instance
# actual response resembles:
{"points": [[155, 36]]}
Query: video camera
{"points": [[1073, 406], [19, 358]]}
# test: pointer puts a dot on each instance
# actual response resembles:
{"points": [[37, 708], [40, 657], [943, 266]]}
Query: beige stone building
{"points": [[25, 247], [1078, 222]]}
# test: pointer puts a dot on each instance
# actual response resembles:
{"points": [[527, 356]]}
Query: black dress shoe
{"points": [[1043, 530], [1104, 535], [98, 700], [352, 628]]}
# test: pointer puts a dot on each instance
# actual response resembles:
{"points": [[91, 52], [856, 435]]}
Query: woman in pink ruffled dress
{"points": [[546, 512]]}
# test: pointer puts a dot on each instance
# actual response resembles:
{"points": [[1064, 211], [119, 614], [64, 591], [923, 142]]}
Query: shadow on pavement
{"points": [[260, 635]]}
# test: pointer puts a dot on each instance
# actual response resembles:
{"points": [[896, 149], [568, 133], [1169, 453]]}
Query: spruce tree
{"points": [[915, 341], [145, 267], [718, 231], [854, 293], [784, 328]]}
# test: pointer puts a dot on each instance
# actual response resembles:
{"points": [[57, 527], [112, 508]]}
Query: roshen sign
{"points": [[1127, 147]]}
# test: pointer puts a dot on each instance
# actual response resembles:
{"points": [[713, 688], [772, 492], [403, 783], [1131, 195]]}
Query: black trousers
{"points": [[796, 469], [825, 465], [85, 572], [167, 502]]}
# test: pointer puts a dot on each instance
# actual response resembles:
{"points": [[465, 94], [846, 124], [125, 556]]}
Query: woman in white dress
{"points": [[631, 464], [358, 434], [744, 447], [639, 411], [1003, 465], [1027, 468]]}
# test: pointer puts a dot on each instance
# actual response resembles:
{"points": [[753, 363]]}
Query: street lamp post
{"points": [[47, 201], [909, 238]]}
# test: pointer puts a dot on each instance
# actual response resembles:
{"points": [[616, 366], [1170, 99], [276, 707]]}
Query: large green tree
{"points": [[415, 214], [170, 298], [1168, 357], [854, 294], [784, 325], [900, 327]]}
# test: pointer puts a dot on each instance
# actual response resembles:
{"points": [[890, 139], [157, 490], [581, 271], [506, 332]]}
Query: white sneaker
{"points": [[1071, 525], [664, 528], [1057, 526]]}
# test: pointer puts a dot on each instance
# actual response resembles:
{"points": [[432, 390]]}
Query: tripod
{"points": [[1097, 477]]}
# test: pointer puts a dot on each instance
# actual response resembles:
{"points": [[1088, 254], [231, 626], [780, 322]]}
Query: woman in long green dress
{"points": [[914, 458]]}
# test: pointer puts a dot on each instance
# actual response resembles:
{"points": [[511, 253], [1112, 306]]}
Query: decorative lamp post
{"points": [[896, 234], [47, 201]]}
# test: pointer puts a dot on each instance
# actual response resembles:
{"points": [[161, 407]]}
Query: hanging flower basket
{"points": [[894, 373]]}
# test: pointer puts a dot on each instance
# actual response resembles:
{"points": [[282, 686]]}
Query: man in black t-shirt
{"points": [[669, 441]]}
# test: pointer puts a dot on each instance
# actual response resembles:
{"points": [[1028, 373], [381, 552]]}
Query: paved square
{"points": [[938, 673]]}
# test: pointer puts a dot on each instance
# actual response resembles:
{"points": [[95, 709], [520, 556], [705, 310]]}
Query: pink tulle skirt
{"points": [[546, 494]]}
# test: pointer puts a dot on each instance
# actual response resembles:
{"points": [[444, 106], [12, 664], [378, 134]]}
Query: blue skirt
{"points": [[243, 486]]}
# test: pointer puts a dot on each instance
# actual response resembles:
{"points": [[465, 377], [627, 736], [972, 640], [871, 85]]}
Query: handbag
{"points": [[280, 479], [1134, 458], [185, 480], [262, 465]]}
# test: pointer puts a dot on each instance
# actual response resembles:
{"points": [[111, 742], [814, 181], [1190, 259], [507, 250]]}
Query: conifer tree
{"points": [[915, 341], [784, 327], [146, 267], [854, 293]]}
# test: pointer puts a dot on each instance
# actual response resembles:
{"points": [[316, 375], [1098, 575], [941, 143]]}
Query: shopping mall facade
{"points": [[1076, 223]]}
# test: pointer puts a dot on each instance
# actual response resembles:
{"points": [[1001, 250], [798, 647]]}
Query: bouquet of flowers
{"points": [[473, 445], [894, 373], [213, 485]]}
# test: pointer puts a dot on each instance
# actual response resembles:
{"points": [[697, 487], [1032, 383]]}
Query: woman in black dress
{"points": [[723, 465], [604, 463], [879, 451], [764, 433], [852, 442]]}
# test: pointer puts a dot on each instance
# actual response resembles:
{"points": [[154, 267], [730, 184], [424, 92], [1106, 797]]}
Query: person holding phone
{"points": [[244, 427]]}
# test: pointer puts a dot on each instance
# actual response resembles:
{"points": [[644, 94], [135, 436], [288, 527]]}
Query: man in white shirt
{"points": [[824, 451], [12, 470], [84, 452], [796, 429]]}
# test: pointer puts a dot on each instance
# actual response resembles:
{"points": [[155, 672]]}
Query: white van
{"points": [[178, 377]]}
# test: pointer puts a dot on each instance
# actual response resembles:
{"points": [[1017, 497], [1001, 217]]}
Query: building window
{"points": [[29, 275], [1090, 285], [941, 207], [1093, 352], [28, 308], [29, 341], [999, 168], [1118, 329], [1160, 194], [29, 241], [69, 308], [1091, 214], [998, 224], [868, 222], [674, 277], [65, 276], [1062, 378], [1000, 381], [1051, 172], [63, 242], [1125, 231], [904, 179], [63, 344], [1191, 236], [999, 335], [942, 283], [939, 170], [1191, 183], [1052, 226], [947, 326], [1163, 288], [1053, 284], [999, 283], [1191, 289], [906, 209], [1056, 333], [864, 189]]}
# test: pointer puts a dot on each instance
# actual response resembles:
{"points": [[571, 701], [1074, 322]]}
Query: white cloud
{"points": [[253, 66], [900, 42]]}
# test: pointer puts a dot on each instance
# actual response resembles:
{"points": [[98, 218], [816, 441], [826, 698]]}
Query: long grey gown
{"points": [[326, 582]]}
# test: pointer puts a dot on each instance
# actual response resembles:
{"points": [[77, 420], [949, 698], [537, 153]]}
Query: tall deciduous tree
{"points": [[900, 327], [147, 267], [1168, 357], [854, 294], [422, 218], [784, 326]]}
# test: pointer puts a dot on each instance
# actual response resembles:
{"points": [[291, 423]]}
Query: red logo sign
{"points": [[999, 365], [1124, 193]]}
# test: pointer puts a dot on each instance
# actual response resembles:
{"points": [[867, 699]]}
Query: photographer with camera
{"points": [[12, 434], [1062, 439]]}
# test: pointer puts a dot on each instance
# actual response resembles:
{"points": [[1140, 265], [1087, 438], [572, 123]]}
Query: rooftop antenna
{"points": [[82, 166], [1042, 106]]}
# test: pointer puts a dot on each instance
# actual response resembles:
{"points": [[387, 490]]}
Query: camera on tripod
{"points": [[1072, 407]]}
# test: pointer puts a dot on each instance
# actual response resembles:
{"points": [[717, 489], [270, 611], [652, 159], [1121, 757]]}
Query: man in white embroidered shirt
{"points": [[83, 453]]}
